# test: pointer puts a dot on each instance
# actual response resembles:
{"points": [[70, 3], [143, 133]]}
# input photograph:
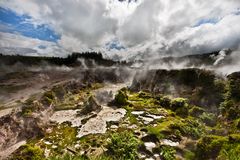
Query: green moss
{"points": [[178, 103], [165, 102], [29, 106], [196, 111], [62, 136], [236, 125], [102, 157], [68, 157], [123, 145], [167, 153], [230, 106], [189, 127], [142, 94], [218, 147], [163, 129], [28, 152], [209, 146], [48, 98], [209, 119], [229, 152], [132, 118], [233, 87], [230, 109], [121, 98], [182, 112], [188, 155]]}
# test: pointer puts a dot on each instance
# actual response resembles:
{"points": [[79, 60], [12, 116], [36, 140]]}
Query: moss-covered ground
{"points": [[198, 132]]}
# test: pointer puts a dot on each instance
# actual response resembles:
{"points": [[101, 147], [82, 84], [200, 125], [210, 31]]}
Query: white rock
{"points": [[156, 155], [142, 156], [54, 146], [47, 143], [149, 158], [46, 152], [137, 112], [146, 120], [155, 116], [77, 146], [114, 127], [134, 126], [169, 142], [149, 145], [99, 124]]}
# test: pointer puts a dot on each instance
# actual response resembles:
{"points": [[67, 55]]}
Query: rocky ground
{"points": [[103, 114]]}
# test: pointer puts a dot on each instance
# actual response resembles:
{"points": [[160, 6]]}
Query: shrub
{"points": [[178, 103], [123, 145], [233, 86], [188, 155], [29, 152], [144, 95], [209, 146], [167, 153], [121, 98], [48, 98], [209, 119], [68, 156], [237, 124], [165, 102], [30, 106], [230, 109], [189, 128], [196, 111], [229, 152]]}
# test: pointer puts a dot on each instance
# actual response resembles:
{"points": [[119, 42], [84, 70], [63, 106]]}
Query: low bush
{"points": [[28, 152], [196, 111], [209, 119], [209, 146], [167, 153], [229, 152], [123, 145], [165, 102], [121, 98], [177, 103], [189, 128]]}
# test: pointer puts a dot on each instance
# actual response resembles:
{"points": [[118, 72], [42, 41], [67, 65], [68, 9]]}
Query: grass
{"points": [[28, 151], [197, 124], [123, 145], [162, 127], [62, 136]]}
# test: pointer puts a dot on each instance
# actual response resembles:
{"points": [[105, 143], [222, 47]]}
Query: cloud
{"points": [[208, 37], [234, 66], [141, 25], [86, 22], [18, 44], [146, 28], [182, 27]]}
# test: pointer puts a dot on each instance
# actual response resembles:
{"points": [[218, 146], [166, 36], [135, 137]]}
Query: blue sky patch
{"points": [[21, 24], [237, 12], [206, 21], [114, 44], [42, 47]]}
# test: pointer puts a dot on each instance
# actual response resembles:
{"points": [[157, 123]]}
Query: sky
{"points": [[120, 29]]}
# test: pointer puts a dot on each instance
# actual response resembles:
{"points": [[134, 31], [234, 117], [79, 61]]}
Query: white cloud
{"points": [[17, 44], [209, 37], [145, 27], [141, 25]]}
